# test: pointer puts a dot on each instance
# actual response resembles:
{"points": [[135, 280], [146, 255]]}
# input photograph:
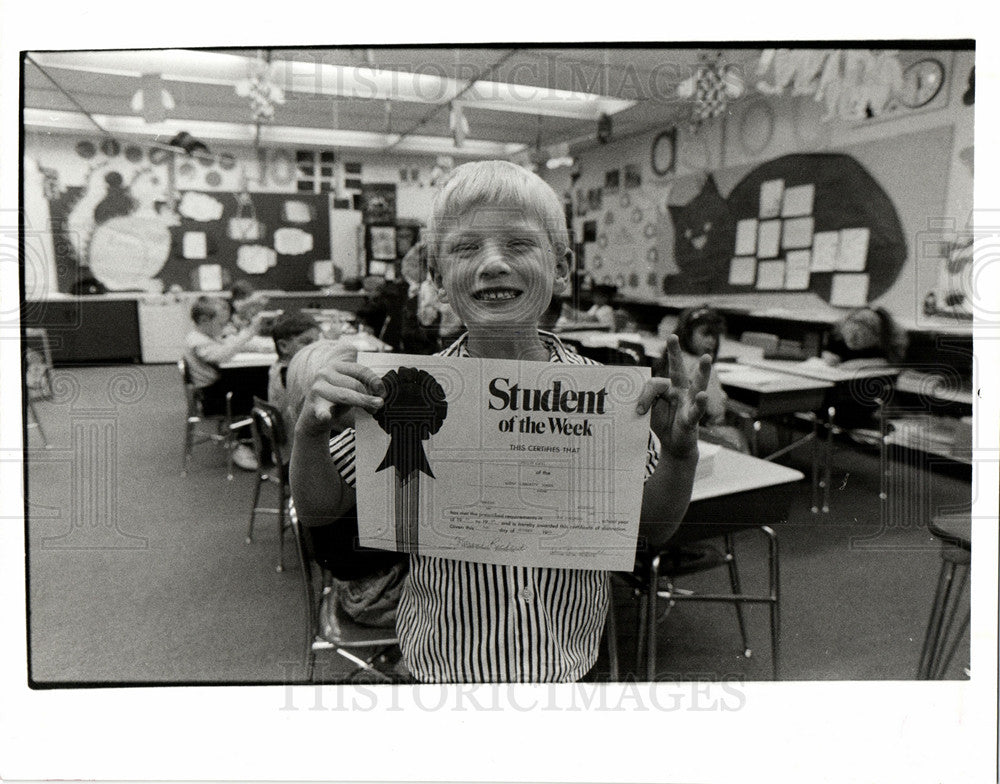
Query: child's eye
{"points": [[464, 248], [521, 244]]}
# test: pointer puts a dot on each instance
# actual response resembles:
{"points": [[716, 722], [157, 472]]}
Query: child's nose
{"points": [[494, 262]]}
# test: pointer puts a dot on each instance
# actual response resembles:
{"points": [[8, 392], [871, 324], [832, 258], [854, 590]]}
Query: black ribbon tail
{"points": [[406, 457]]}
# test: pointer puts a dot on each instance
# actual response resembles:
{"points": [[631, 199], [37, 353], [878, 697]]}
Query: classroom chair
{"points": [[940, 642], [689, 551], [636, 351], [221, 426], [37, 375], [367, 648], [268, 431]]}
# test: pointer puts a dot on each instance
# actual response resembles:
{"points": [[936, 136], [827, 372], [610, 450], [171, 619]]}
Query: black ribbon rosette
{"points": [[414, 410]]}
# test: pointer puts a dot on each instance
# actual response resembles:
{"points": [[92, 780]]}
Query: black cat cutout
{"points": [[704, 233]]}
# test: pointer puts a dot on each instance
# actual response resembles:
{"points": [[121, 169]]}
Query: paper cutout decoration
{"points": [[797, 232], [771, 275], [746, 237], [194, 245], [200, 207], [797, 270], [292, 241], [770, 198], [849, 291], [255, 259], [824, 251], [297, 212], [798, 200], [382, 242], [768, 237], [210, 277], [703, 242], [322, 273], [742, 271], [245, 229], [852, 252]]}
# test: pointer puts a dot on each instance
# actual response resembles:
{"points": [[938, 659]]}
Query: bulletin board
{"points": [[268, 239]]}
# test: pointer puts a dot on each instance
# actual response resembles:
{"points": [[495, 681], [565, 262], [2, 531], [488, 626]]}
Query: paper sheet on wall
{"points": [[852, 250], [849, 291], [504, 462], [770, 198], [798, 200], [746, 237], [771, 275], [824, 251], [797, 270], [742, 271], [194, 245], [768, 239], [797, 232], [210, 277]]}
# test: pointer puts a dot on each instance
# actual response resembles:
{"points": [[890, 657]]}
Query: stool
{"points": [[940, 644]]}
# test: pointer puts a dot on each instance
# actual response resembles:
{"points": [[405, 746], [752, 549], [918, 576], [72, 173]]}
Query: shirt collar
{"points": [[557, 351]]}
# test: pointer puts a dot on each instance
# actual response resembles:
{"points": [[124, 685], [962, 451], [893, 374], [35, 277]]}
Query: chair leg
{"points": [[188, 446], [253, 507], [929, 650], [282, 504], [640, 627], [774, 574], [654, 580], [962, 628], [229, 442], [734, 583]]}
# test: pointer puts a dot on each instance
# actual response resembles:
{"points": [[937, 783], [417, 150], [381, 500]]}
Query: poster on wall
{"points": [[378, 202], [382, 243]]}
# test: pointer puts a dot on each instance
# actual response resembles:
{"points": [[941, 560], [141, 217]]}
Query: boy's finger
{"points": [[332, 394], [700, 381], [676, 362], [368, 377], [653, 388], [697, 411]]}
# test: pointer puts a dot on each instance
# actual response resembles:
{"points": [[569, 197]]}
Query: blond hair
{"points": [[503, 185]]}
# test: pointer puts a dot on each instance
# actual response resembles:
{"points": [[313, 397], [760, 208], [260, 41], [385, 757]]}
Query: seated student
{"points": [[367, 582], [206, 347], [291, 332], [420, 316], [601, 312], [868, 336], [498, 251], [699, 332]]}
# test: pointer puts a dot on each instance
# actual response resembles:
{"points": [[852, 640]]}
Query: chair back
{"points": [[268, 429], [636, 350]]}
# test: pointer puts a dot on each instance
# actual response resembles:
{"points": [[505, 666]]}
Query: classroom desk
{"points": [[867, 386], [652, 345]]}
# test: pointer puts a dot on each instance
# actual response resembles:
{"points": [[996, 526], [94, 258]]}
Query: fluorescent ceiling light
{"points": [[244, 133], [318, 78]]}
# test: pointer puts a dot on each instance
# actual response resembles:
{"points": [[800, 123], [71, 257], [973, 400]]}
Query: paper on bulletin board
{"points": [[852, 250], [798, 200], [742, 271], [797, 270], [770, 198], [210, 277], [194, 245], [824, 251], [771, 275], [849, 291], [797, 232], [768, 239], [503, 462], [746, 237]]}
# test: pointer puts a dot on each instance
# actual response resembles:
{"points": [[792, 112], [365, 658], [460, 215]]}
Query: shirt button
{"points": [[526, 593]]}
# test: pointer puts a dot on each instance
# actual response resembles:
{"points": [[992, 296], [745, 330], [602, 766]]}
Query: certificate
{"points": [[503, 462]]}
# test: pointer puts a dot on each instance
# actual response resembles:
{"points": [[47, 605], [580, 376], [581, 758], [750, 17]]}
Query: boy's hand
{"points": [[335, 390], [678, 403]]}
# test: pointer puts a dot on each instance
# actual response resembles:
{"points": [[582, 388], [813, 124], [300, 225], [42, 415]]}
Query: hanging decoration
{"points": [[458, 125], [152, 100], [711, 87], [261, 88], [852, 83]]}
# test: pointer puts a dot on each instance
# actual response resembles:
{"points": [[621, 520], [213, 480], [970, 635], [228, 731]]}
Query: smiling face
{"points": [[497, 268]]}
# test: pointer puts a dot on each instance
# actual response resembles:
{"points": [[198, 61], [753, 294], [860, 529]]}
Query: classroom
{"points": [[803, 216]]}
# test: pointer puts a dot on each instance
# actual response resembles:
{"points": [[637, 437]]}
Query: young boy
{"points": [[292, 331], [498, 250], [207, 347]]}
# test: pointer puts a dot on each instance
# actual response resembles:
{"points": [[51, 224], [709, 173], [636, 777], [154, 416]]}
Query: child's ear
{"points": [[564, 265]]}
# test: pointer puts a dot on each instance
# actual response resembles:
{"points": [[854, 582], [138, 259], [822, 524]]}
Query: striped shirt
{"points": [[470, 622]]}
